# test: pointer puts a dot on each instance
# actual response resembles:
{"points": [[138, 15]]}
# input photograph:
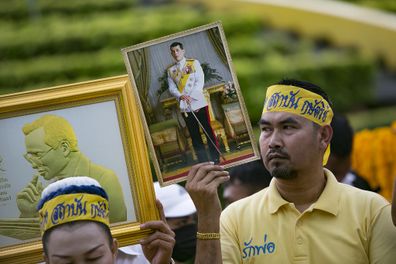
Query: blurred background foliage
{"points": [[45, 43]]}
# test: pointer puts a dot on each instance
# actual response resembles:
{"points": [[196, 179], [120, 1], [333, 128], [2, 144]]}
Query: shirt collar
{"points": [[276, 200], [328, 200], [181, 63]]}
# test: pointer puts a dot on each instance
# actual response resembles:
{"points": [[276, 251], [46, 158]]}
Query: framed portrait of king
{"points": [[98, 125], [190, 101]]}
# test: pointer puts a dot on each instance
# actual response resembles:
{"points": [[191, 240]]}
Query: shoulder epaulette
{"points": [[170, 66]]}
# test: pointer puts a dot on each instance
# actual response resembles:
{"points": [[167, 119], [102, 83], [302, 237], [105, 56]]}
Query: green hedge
{"points": [[66, 49], [25, 74], [60, 35], [71, 46], [19, 10], [54, 35], [348, 80]]}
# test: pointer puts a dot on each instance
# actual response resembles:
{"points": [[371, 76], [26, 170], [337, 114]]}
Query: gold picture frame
{"points": [[100, 111], [175, 144]]}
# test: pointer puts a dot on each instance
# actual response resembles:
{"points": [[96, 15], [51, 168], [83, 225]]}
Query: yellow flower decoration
{"points": [[374, 157]]}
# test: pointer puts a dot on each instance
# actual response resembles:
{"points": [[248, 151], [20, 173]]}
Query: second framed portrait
{"points": [[86, 129], [190, 101]]}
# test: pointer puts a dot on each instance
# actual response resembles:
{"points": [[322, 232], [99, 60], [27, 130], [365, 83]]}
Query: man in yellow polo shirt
{"points": [[186, 81], [305, 215]]}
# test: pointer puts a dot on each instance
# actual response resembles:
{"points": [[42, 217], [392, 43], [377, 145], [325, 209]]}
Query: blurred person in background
{"points": [[245, 180], [394, 204], [180, 214], [340, 155]]}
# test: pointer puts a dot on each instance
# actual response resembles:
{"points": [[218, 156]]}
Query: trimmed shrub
{"points": [[66, 45]]}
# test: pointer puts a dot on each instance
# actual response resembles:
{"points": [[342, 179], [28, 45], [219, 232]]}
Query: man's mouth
{"points": [[276, 155], [271, 157]]}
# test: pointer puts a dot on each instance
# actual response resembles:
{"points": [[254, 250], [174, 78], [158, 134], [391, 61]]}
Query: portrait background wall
{"points": [[169, 143]]}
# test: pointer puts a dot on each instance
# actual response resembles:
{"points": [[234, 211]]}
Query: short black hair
{"points": [[252, 174], [307, 86], [74, 225], [342, 141], [175, 44]]}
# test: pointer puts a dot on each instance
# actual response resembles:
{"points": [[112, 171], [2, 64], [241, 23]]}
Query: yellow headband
{"points": [[298, 101], [74, 207]]}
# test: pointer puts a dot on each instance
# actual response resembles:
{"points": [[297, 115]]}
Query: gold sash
{"points": [[181, 76]]}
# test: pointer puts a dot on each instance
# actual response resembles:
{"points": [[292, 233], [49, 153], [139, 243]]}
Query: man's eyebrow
{"points": [[263, 122], [289, 120]]}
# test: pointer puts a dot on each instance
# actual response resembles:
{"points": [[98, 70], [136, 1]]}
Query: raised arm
{"points": [[202, 183], [158, 247]]}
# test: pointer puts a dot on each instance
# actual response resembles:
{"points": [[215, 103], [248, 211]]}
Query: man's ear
{"points": [[65, 147], [326, 133], [114, 248]]}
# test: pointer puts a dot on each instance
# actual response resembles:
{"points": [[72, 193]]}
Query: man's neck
{"points": [[303, 190], [181, 62]]}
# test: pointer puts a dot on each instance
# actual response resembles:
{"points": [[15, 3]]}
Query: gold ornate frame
{"points": [[117, 89], [140, 50]]}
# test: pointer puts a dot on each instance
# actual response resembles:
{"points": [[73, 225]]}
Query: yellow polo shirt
{"points": [[345, 225]]}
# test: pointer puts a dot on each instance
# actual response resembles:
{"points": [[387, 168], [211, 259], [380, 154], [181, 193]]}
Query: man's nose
{"points": [[275, 140]]}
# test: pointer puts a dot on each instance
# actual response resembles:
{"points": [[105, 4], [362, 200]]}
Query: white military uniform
{"points": [[193, 86]]}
